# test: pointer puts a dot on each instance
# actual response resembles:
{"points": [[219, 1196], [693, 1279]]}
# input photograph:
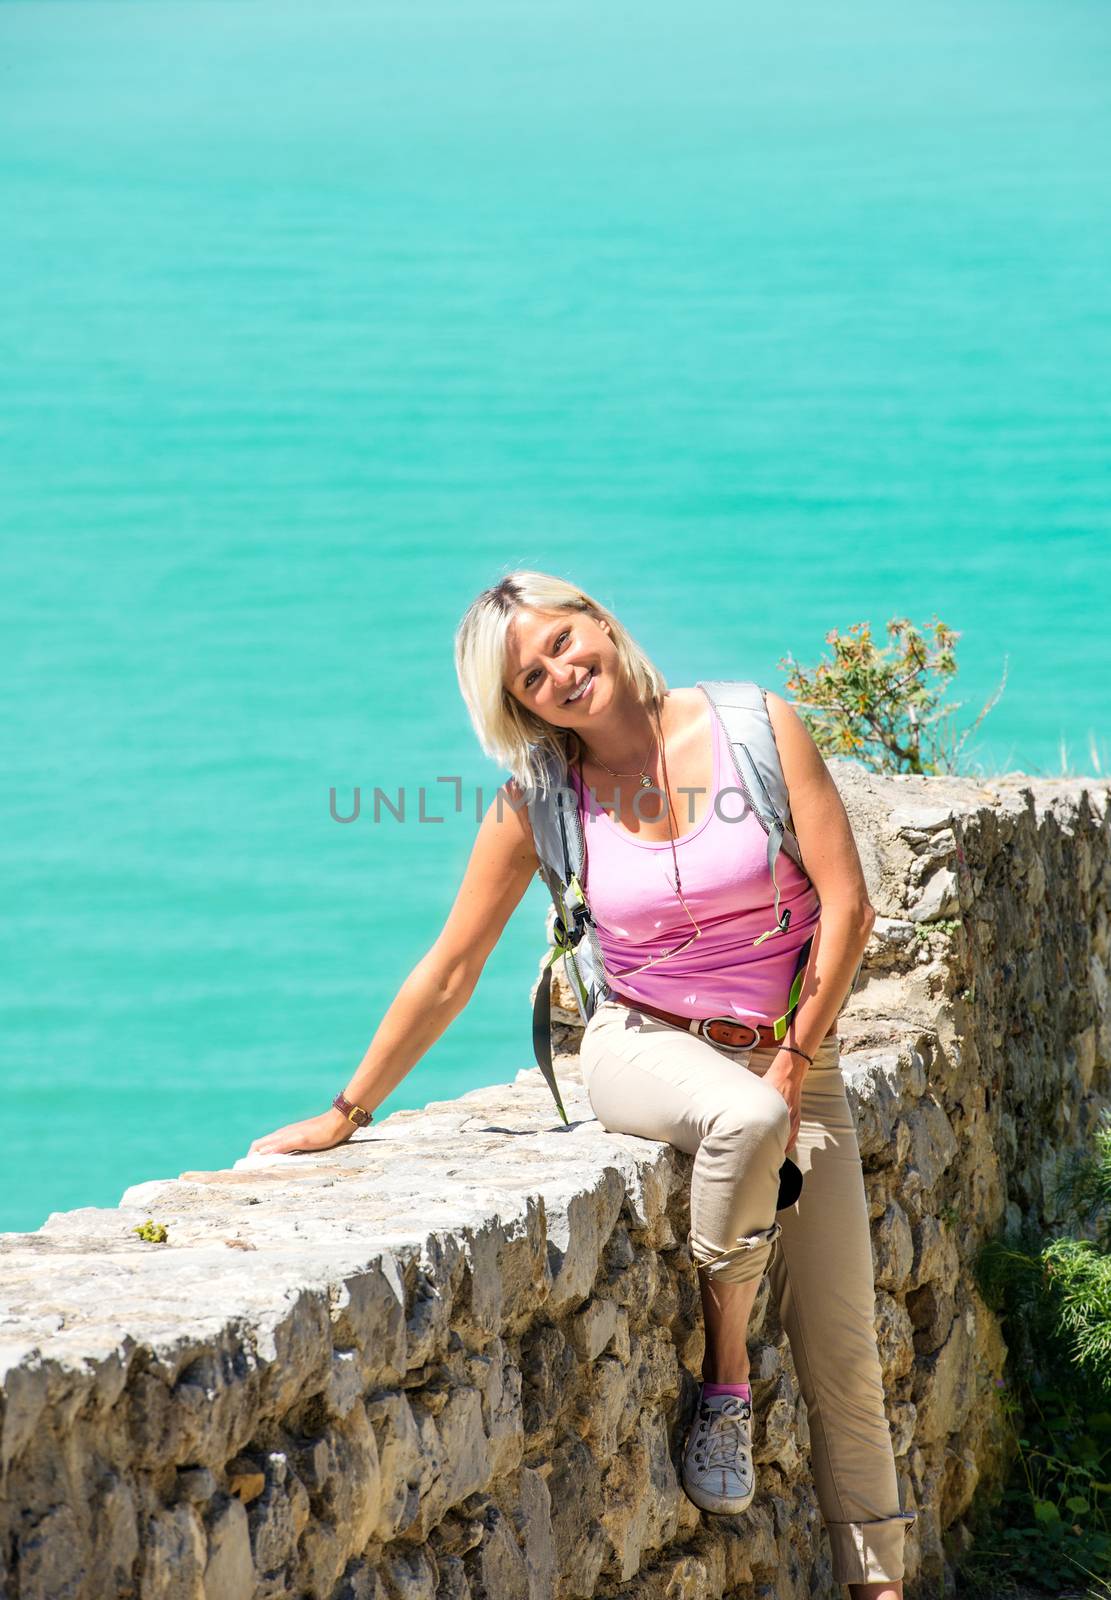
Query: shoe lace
{"points": [[724, 1432]]}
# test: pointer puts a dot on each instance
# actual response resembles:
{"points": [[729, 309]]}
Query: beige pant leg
{"points": [[646, 1077], [823, 1282]]}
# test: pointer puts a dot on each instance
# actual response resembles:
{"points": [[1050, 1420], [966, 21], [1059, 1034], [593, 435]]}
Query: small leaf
{"points": [[1046, 1511]]}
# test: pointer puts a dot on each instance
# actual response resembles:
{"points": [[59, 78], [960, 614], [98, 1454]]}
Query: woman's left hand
{"points": [[784, 1075]]}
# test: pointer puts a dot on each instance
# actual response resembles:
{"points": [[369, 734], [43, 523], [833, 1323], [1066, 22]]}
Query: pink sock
{"points": [[741, 1389]]}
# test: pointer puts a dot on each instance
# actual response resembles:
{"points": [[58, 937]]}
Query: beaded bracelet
{"points": [[796, 1052]]}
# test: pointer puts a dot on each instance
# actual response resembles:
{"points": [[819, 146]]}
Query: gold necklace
{"points": [[645, 780], [670, 834], [678, 884]]}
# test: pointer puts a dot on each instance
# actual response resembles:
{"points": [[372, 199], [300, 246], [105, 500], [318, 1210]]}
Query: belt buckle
{"points": [[732, 1022]]}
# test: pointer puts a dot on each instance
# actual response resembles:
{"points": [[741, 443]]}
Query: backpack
{"points": [[557, 831]]}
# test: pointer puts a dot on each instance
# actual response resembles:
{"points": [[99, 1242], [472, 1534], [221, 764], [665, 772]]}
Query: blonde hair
{"points": [[514, 736]]}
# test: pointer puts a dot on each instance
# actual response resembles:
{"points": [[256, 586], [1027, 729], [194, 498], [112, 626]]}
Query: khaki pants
{"points": [[646, 1077]]}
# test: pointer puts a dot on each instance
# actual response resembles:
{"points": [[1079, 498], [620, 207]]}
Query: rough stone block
{"points": [[892, 1248], [229, 1571], [174, 1551]]}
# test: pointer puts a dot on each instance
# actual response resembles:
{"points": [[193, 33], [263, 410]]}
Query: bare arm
{"points": [[501, 866], [832, 862]]}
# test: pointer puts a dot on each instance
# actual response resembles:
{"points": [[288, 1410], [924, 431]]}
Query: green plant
{"points": [[153, 1232], [880, 705], [1053, 1524], [1050, 1528], [1083, 1187], [923, 930]]}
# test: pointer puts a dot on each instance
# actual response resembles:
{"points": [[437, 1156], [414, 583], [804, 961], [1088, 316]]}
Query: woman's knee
{"points": [[761, 1121]]}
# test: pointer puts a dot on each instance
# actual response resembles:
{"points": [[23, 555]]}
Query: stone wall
{"points": [[456, 1357]]}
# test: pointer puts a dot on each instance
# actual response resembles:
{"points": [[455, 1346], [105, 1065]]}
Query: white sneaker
{"points": [[718, 1474]]}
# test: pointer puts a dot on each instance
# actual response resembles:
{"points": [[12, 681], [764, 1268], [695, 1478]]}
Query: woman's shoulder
{"points": [[688, 706], [781, 713]]}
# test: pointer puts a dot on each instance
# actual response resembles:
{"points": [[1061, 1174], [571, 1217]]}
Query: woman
{"points": [[678, 894]]}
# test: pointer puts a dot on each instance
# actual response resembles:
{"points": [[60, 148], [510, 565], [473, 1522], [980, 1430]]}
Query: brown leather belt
{"points": [[729, 1031]]}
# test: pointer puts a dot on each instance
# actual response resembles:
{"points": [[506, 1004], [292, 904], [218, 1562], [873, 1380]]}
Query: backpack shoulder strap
{"points": [[558, 844], [561, 850], [743, 712]]}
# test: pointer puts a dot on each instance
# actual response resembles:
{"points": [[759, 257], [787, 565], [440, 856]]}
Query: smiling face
{"points": [[562, 666]]}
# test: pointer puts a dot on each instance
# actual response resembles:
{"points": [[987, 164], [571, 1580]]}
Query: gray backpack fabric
{"points": [[557, 832]]}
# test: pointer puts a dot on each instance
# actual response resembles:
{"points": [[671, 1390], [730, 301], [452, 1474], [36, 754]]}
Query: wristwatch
{"points": [[354, 1114]]}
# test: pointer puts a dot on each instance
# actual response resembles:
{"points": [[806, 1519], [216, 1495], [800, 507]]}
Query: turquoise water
{"points": [[315, 320]]}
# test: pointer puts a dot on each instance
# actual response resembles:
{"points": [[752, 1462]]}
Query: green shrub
{"points": [[1052, 1526], [881, 706]]}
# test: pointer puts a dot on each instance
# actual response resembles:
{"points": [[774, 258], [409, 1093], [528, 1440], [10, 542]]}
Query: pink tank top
{"points": [[630, 885]]}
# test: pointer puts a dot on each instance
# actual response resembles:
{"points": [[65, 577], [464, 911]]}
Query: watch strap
{"points": [[353, 1113]]}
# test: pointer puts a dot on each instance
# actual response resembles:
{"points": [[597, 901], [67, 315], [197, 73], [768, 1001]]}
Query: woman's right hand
{"points": [[298, 1138]]}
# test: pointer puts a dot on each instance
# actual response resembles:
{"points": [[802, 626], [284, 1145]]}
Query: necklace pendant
{"points": [[645, 781]]}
